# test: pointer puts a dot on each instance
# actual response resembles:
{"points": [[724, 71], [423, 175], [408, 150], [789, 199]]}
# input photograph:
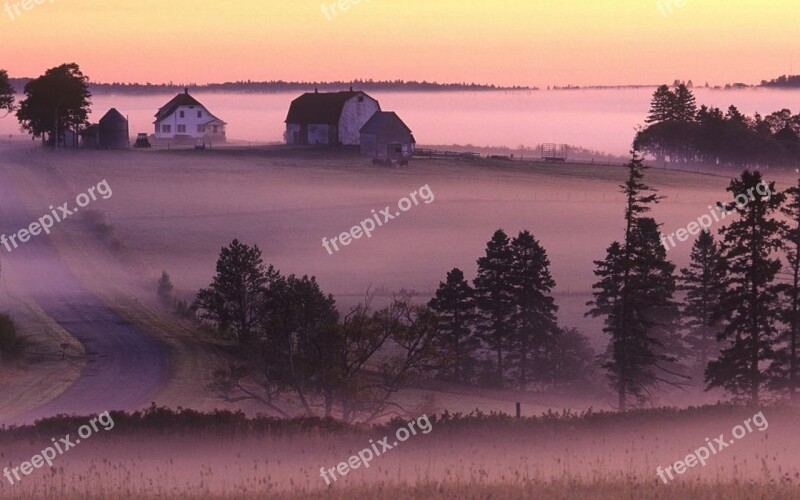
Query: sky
{"points": [[506, 42]]}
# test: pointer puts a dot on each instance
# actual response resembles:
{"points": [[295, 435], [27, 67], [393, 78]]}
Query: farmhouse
{"points": [[386, 137], [185, 117], [329, 117]]}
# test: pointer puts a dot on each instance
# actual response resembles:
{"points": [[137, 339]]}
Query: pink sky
{"points": [[514, 42]]}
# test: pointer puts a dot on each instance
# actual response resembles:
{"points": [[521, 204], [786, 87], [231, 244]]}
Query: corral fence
{"points": [[548, 153], [435, 153]]}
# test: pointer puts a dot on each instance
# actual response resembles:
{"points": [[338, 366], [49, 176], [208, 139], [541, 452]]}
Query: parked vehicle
{"points": [[142, 141]]}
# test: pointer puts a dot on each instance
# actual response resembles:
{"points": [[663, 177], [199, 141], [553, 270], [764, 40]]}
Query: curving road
{"points": [[125, 367]]}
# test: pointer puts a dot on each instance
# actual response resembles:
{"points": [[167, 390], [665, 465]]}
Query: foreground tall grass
{"points": [[160, 453], [557, 490]]}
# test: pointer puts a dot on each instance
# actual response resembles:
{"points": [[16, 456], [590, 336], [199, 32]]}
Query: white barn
{"points": [[329, 117], [185, 117]]}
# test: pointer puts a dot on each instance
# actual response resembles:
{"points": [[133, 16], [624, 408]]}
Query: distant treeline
{"points": [[275, 86], [680, 132], [785, 81]]}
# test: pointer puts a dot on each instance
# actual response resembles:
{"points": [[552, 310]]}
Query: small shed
{"points": [[113, 131], [386, 137], [90, 136]]}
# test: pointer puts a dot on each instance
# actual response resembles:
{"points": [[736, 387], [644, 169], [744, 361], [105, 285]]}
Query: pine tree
{"points": [[164, 290], [784, 370], [703, 283], [684, 108], [634, 293], [653, 289], [661, 105], [750, 303], [534, 318], [493, 296], [234, 301], [454, 304]]}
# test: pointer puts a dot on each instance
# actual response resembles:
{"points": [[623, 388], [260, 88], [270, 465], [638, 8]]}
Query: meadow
{"points": [[174, 210], [558, 455]]}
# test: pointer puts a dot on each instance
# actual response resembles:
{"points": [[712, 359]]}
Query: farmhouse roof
{"points": [[179, 100], [386, 123], [321, 108]]}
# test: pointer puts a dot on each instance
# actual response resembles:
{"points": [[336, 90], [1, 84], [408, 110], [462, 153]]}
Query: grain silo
{"points": [[113, 130]]}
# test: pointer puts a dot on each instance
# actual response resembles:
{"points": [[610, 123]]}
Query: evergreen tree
{"points": [[654, 284], [634, 293], [784, 370], [684, 108], [534, 318], [661, 105], [235, 299], [750, 302], [703, 283], [164, 290], [493, 296], [454, 304]]}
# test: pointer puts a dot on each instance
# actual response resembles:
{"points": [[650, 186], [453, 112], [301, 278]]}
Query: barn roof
{"points": [[386, 123], [179, 100], [322, 108]]}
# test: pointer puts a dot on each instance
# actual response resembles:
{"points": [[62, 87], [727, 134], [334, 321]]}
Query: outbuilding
{"points": [[386, 137], [329, 118], [90, 136], [113, 131]]}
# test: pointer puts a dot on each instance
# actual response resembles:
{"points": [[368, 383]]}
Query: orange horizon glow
{"points": [[517, 42]]}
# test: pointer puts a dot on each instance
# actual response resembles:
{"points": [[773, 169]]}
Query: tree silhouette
{"points": [[750, 303], [703, 283], [634, 293], [6, 93], [494, 298], [55, 103], [235, 299], [534, 317], [784, 370], [454, 304]]}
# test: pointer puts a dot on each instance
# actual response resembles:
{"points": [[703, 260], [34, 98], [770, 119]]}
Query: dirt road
{"points": [[124, 368]]}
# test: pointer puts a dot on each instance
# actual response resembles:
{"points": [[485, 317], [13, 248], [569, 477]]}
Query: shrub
{"points": [[12, 345]]}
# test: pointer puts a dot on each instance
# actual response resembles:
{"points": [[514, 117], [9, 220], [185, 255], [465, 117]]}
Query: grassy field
{"points": [[604, 456], [174, 210]]}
